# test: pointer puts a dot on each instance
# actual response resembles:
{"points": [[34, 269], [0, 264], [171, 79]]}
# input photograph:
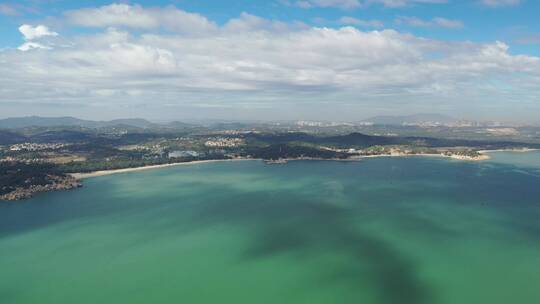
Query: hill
{"points": [[8, 138], [37, 121]]}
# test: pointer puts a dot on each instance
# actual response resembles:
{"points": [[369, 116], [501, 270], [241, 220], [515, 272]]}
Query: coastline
{"points": [[484, 155], [456, 157], [80, 176], [60, 183], [524, 150]]}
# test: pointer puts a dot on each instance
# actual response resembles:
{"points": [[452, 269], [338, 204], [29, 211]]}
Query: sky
{"points": [[333, 60]]}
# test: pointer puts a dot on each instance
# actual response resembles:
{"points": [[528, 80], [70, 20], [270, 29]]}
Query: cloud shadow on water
{"points": [[307, 228]]}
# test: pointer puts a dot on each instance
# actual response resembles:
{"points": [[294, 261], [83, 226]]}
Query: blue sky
{"points": [[508, 23], [482, 54]]}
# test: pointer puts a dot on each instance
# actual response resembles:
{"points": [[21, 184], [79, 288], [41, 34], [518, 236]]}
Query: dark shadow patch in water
{"points": [[388, 271], [310, 228]]}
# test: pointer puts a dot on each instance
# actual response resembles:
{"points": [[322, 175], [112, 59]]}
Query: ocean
{"points": [[381, 230]]}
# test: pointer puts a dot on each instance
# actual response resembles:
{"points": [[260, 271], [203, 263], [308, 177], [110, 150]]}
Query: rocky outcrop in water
{"points": [[56, 183]]}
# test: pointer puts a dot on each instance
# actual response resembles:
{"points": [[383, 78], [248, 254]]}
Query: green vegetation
{"points": [[285, 151], [17, 174], [37, 155], [99, 165]]}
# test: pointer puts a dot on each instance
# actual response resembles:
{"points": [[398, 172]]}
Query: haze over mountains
{"points": [[422, 119], [37, 121]]}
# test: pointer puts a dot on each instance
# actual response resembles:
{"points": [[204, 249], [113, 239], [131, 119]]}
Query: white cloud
{"points": [[254, 60], [359, 22], [27, 46], [435, 22], [315, 57], [30, 32], [135, 16], [499, 3], [113, 15], [169, 18]]}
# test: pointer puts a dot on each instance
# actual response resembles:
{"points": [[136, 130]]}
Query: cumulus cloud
{"points": [[253, 59], [169, 18], [435, 22], [30, 32], [499, 3], [359, 22], [137, 17]]}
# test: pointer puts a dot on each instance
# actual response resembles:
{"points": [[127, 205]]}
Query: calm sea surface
{"points": [[385, 230]]}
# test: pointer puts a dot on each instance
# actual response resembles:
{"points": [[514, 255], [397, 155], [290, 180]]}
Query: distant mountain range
{"points": [[415, 119], [425, 119], [37, 121]]}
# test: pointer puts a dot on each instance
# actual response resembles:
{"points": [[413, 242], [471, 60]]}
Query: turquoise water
{"points": [[385, 230]]}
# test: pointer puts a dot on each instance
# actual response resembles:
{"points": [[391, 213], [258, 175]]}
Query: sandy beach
{"points": [[127, 170], [509, 150], [483, 157], [457, 157]]}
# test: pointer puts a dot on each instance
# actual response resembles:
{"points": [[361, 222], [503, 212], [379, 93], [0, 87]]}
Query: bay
{"points": [[384, 230]]}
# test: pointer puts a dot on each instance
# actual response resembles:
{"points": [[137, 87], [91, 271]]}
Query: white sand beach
{"points": [[482, 157], [127, 170]]}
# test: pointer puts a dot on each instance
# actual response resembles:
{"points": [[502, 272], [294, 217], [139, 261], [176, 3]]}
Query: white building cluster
{"points": [[224, 142], [36, 147]]}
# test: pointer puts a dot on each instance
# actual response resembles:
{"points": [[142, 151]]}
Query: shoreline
{"points": [[455, 157], [81, 176], [524, 150], [484, 155]]}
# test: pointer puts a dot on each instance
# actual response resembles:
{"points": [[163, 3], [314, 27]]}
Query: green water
{"points": [[388, 230]]}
